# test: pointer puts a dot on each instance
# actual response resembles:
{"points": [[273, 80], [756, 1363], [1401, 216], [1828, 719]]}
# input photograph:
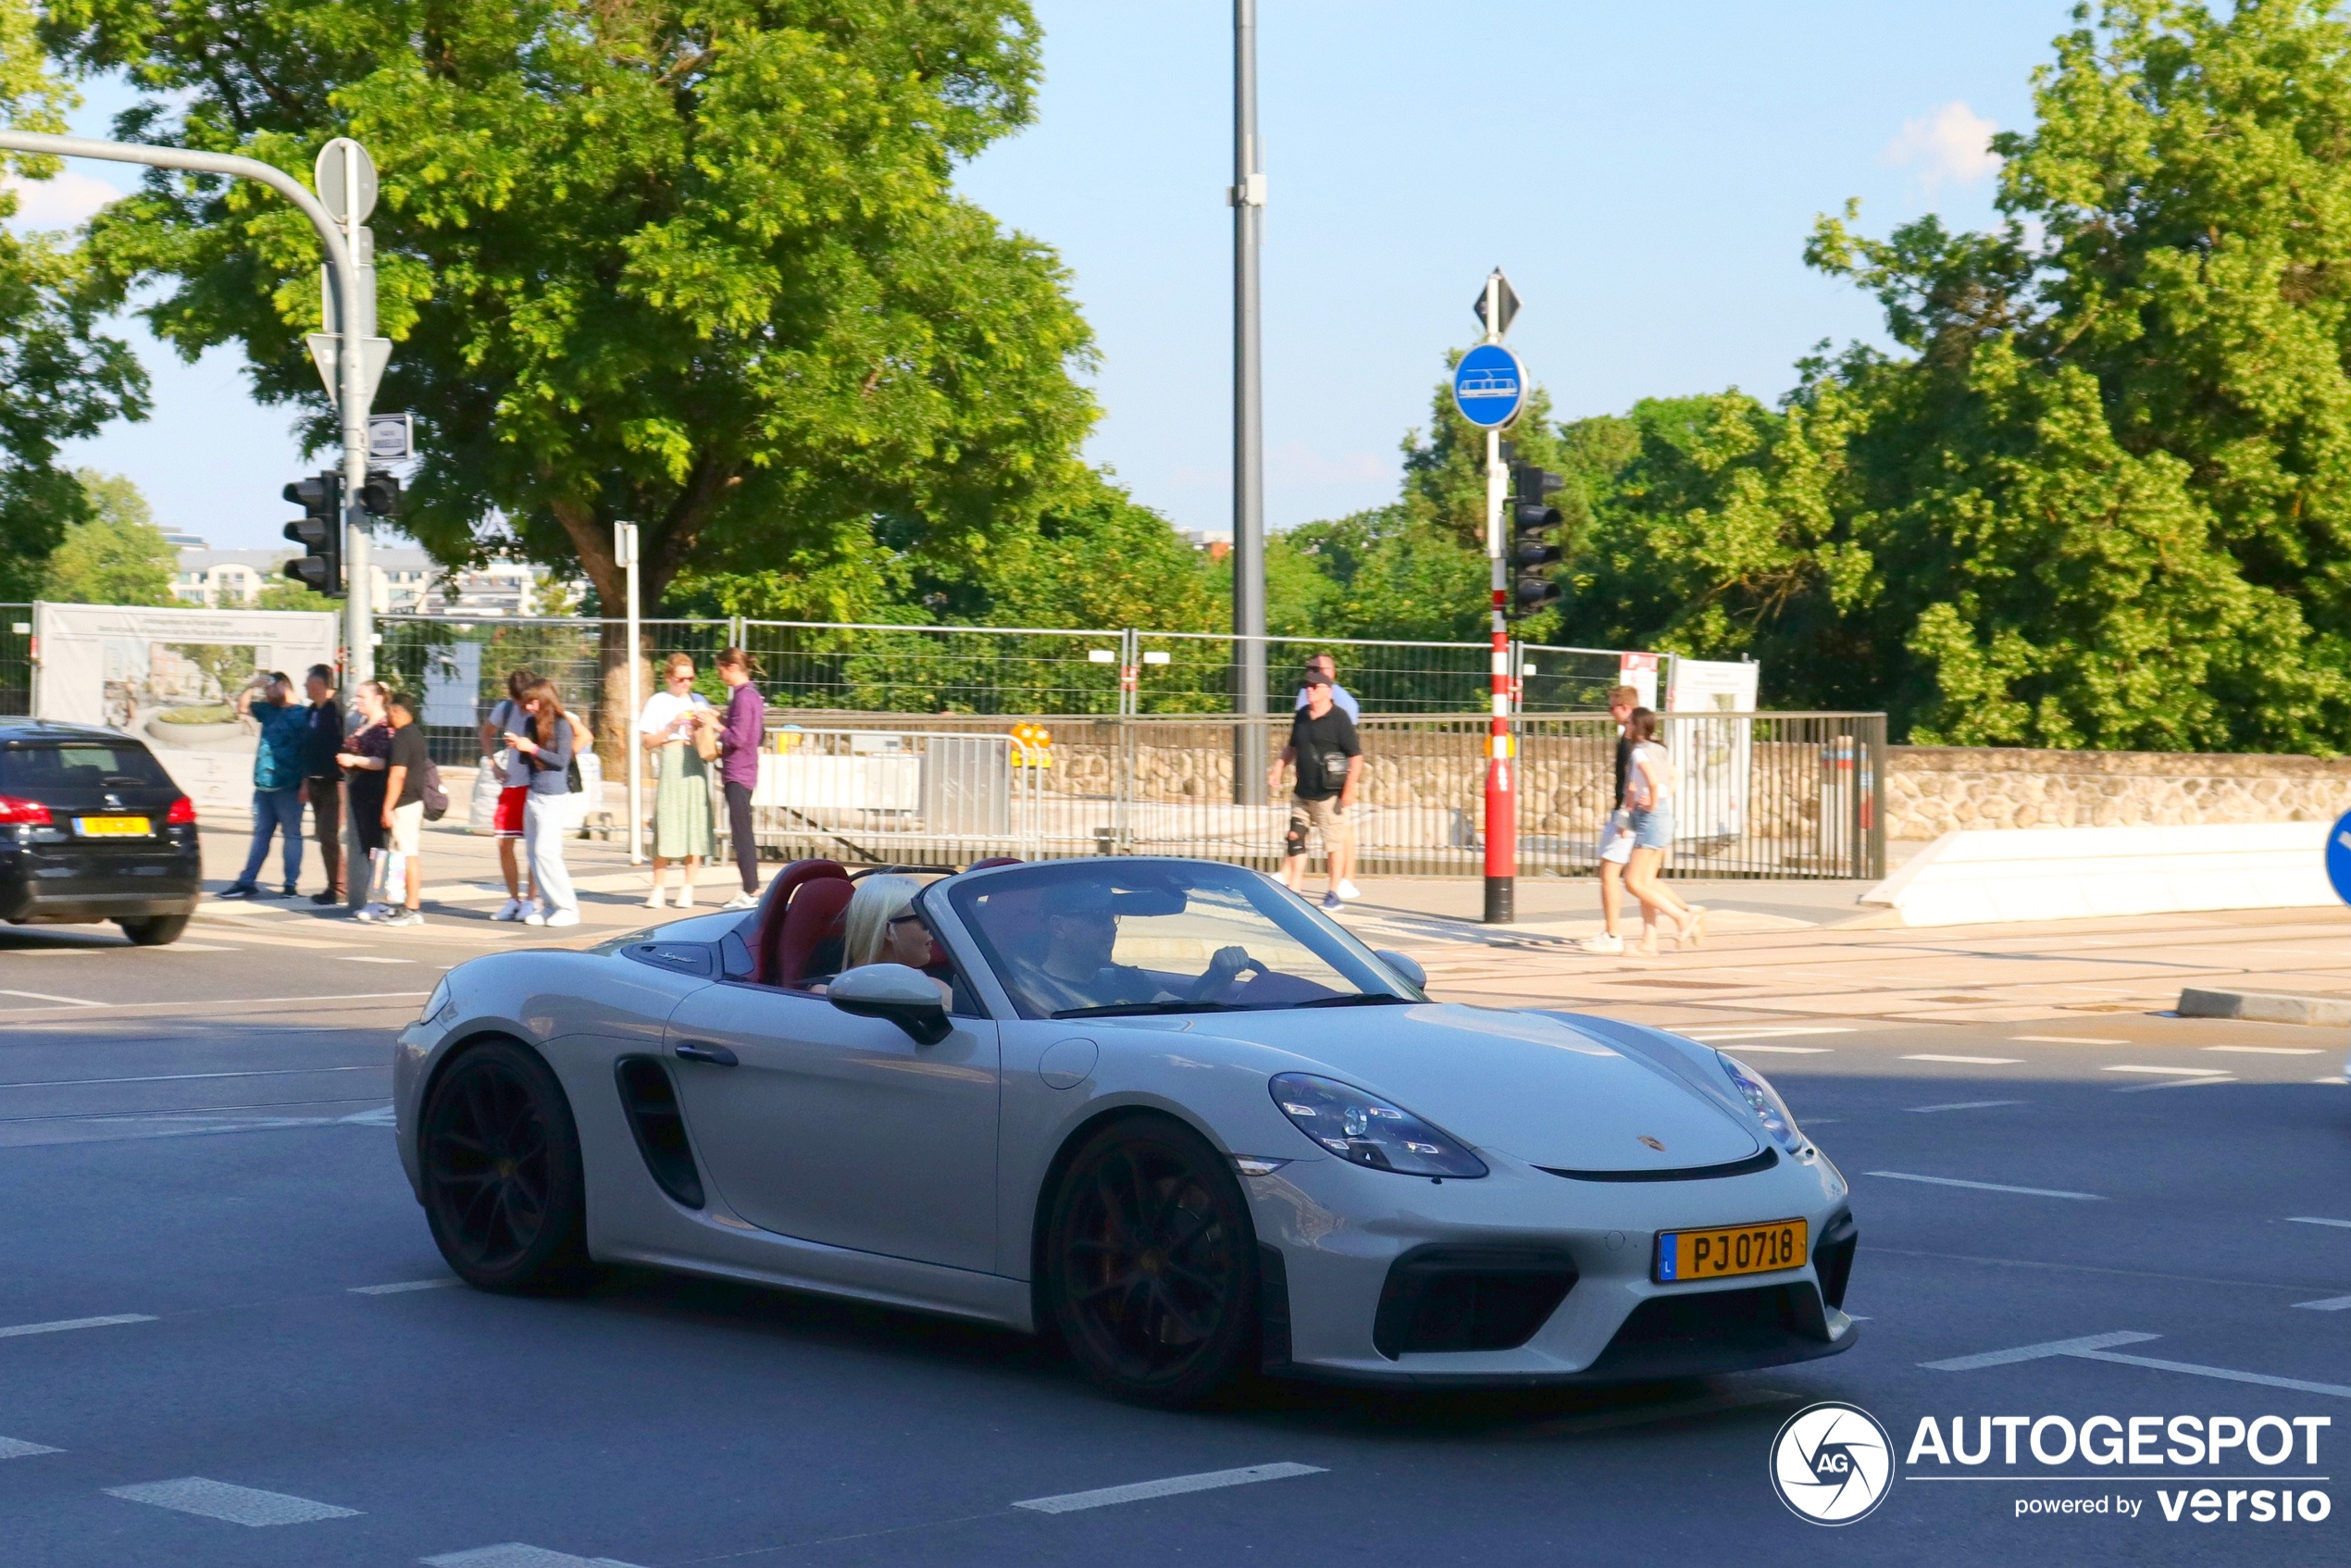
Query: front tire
{"points": [[154, 930], [1151, 1265], [503, 1185]]}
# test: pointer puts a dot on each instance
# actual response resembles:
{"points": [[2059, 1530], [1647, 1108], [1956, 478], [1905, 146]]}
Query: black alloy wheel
{"points": [[503, 1190], [153, 930], [1150, 1263]]}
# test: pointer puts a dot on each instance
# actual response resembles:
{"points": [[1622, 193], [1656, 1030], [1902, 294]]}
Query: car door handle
{"points": [[702, 1051]]}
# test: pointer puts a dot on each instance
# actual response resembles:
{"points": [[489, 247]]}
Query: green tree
{"points": [[701, 268], [114, 555]]}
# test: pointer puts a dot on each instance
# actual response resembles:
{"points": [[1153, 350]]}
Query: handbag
{"points": [[706, 743]]}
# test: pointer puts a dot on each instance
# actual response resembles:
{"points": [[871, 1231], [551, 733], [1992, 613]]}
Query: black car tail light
{"points": [[21, 813], [1468, 1297], [1832, 1256]]}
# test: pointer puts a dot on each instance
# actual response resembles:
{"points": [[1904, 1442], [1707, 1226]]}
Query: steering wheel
{"points": [[1228, 965]]}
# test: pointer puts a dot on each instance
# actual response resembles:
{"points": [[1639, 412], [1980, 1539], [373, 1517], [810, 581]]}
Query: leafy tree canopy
{"points": [[114, 555]]}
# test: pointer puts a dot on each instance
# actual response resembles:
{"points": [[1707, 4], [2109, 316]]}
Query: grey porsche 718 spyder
{"points": [[1163, 1110]]}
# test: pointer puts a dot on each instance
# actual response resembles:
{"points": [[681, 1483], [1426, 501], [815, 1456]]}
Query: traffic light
{"points": [[318, 531], [380, 497], [1533, 517]]}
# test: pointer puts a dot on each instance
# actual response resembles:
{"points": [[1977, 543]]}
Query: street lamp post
{"points": [[1247, 198]]}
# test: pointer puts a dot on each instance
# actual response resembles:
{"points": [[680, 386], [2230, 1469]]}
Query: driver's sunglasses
{"points": [[896, 920]]}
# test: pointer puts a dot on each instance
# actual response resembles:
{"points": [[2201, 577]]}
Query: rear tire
{"points": [[1151, 1265], [154, 930], [504, 1188]]}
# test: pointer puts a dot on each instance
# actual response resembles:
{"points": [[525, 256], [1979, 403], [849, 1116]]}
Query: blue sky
{"points": [[1645, 175]]}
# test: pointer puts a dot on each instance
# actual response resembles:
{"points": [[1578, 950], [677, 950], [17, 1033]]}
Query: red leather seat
{"points": [[773, 907], [992, 861], [813, 920]]}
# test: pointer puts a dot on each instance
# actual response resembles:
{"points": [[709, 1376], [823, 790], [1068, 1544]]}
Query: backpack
{"points": [[436, 799]]}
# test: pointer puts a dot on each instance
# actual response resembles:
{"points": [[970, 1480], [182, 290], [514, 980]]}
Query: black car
{"points": [[92, 828]]}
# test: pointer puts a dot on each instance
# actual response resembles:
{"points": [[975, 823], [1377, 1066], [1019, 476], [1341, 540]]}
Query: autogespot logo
{"points": [[1831, 1464]]}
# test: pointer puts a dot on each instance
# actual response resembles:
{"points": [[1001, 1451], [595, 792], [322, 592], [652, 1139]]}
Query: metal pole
{"points": [[1248, 197], [624, 541], [1501, 799]]}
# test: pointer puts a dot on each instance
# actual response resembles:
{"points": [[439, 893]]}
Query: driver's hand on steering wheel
{"points": [[1222, 968]]}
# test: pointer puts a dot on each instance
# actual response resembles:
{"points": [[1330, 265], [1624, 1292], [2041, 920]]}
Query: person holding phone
{"points": [[669, 729], [548, 742]]}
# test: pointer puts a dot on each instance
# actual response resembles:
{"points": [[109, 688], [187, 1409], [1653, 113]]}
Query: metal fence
{"points": [[15, 660], [1760, 795]]}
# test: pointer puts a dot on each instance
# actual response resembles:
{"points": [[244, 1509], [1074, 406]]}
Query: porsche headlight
{"points": [[437, 1003], [1769, 1108], [1367, 1130]]}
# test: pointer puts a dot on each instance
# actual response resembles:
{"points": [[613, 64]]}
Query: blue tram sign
{"points": [[1489, 387]]}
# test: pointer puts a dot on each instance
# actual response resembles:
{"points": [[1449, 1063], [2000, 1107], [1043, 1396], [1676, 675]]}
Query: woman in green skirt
{"points": [[682, 820]]}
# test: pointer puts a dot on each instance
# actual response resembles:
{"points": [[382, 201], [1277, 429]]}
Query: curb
{"points": [[2267, 1007]]}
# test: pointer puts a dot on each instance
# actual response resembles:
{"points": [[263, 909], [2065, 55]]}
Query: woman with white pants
{"points": [[548, 747]]}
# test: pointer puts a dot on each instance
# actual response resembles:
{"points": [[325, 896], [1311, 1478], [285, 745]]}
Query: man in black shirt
{"points": [[322, 780], [1616, 829], [1323, 744], [403, 810]]}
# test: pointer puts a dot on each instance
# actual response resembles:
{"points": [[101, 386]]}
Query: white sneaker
{"points": [[686, 896], [536, 918], [510, 910], [742, 901], [1349, 890], [564, 917], [653, 899], [1609, 945], [372, 913], [404, 917]]}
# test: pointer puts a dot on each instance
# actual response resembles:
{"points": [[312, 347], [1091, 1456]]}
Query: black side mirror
{"points": [[908, 997]]}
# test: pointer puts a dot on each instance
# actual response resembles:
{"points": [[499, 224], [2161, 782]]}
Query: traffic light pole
{"points": [[1501, 796], [360, 626]]}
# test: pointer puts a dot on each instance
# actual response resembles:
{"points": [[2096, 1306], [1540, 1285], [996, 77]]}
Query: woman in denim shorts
{"points": [[1649, 795]]}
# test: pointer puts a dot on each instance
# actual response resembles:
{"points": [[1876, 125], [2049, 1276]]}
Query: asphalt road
{"points": [[203, 1209]]}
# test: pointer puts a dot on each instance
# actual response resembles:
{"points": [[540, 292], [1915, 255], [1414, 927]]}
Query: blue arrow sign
{"points": [[1488, 386], [2339, 856]]}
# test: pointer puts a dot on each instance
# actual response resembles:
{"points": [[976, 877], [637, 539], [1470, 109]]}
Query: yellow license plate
{"points": [[1685, 1255], [112, 827]]}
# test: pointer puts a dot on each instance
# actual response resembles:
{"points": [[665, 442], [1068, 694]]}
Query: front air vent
{"points": [[1748, 1166], [650, 1101], [1832, 1256], [1468, 1297]]}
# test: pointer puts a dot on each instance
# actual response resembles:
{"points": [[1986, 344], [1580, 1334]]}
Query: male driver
{"points": [[321, 779], [1616, 827], [405, 807], [1076, 974], [1323, 745], [513, 791], [1323, 664]]}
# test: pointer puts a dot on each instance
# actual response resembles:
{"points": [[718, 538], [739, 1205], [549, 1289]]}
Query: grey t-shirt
{"points": [[508, 718]]}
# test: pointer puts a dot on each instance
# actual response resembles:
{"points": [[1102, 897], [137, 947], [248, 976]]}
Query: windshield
{"points": [[1096, 939]]}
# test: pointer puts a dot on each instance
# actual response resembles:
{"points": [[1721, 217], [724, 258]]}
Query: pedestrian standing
{"points": [[404, 811], [366, 761], [277, 781], [514, 775], [549, 741], [739, 739], [322, 779], [1616, 827], [1326, 666], [1324, 747], [1648, 799], [670, 729]]}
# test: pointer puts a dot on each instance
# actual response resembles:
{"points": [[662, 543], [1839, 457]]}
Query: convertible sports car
{"points": [[1161, 1109]]}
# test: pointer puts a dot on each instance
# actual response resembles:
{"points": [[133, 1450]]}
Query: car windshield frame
{"points": [[1147, 882]]}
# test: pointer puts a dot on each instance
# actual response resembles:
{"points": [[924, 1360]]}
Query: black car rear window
{"points": [[31, 766]]}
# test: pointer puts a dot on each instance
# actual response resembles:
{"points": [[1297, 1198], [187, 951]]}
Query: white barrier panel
{"points": [[1984, 876]]}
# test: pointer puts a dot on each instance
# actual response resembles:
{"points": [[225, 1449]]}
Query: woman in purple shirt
{"points": [[738, 739]]}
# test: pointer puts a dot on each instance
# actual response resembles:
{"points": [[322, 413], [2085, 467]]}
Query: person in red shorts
{"points": [[515, 780]]}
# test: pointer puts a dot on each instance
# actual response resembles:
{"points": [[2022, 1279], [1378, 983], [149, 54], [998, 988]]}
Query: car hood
{"points": [[1530, 1086]]}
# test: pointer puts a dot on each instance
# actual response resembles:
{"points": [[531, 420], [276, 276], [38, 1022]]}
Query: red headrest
{"points": [[765, 970], [814, 919], [993, 861]]}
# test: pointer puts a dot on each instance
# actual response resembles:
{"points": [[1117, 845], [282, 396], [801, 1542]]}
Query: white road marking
{"points": [[61, 1001], [2331, 1304], [222, 1002], [1762, 1033], [1965, 1105], [381, 1116], [201, 947], [183, 1077], [2313, 1219], [1071, 1503], [238, 1505], [362, 958], [1972, 1061], [2266, 1050], [516, 1554], [1988, 1186], [65, 1324], [2178, 1083], [2097, 1347], [1752, 1050], [17, 1447], [405, 1285], [1609, 1420], [2173, 1072], [2068, 1040]]}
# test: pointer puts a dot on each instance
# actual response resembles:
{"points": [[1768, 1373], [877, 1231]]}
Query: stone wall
{"points": [[1931, 791]]}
